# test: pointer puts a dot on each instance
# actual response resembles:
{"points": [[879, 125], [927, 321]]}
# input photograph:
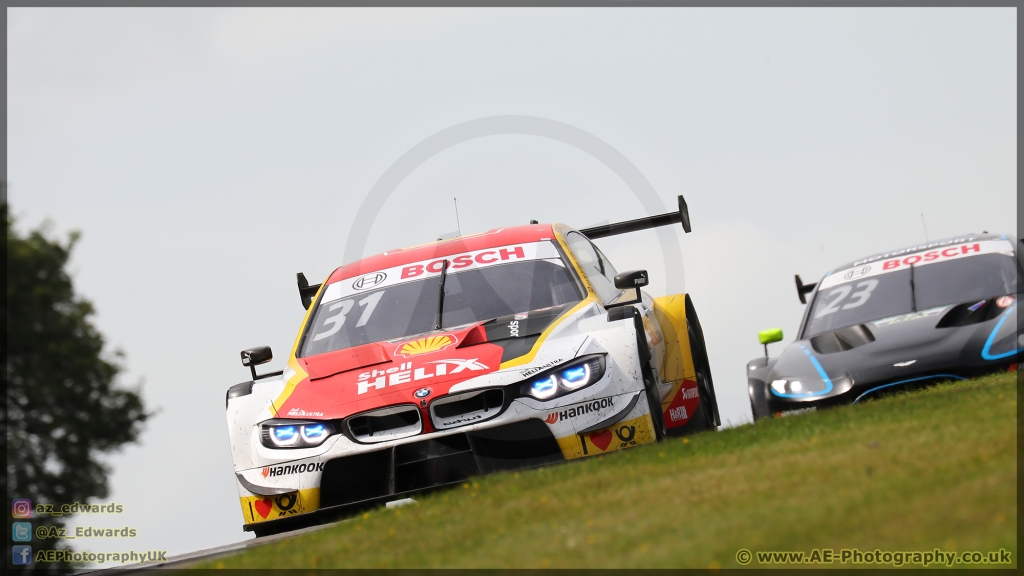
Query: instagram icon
{"points": [[21, 508]]}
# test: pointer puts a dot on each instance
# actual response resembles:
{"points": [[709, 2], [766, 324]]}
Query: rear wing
{"points": [[681, 217]]}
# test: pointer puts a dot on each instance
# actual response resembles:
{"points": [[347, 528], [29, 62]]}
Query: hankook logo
{"points": [[369, 281], [292, 469]]}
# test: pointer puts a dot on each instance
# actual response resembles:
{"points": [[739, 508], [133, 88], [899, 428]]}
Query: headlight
{"points": [[293, 434], [564, 379], [544, 388], [806, 387]]}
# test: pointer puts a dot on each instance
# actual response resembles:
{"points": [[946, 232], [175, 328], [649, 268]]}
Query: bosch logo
{"points": [[856, 273], [369, 281], [422, 393]]}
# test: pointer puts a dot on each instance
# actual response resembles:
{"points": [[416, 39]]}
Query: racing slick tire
{"points": [[650, 389], [657, 416], [707, 417]]}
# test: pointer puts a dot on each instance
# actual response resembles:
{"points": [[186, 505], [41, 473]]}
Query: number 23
{"points": [[860, 297]]}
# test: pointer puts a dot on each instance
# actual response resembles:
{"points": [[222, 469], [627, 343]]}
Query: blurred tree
{"points": [[63, 407]]}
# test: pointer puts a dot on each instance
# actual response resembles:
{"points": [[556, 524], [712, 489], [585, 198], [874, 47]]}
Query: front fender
{"points": [[757, 387], [678, 367]]}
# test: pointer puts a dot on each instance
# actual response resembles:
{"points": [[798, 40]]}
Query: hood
{"points": [[950, 340], [410, 370]]}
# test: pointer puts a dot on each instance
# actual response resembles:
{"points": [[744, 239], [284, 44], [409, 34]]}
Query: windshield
{"points": [[971, 277], [409, 308]]}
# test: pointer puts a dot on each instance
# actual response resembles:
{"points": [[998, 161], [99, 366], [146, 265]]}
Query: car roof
{"points": [[925, 246], [494, 238]]}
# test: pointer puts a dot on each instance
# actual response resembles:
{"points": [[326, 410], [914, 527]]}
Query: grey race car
{"points": [[903, 319]]}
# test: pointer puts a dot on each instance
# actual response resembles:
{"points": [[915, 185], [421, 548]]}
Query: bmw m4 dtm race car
{"points": [[420, 367], [946, 310]]}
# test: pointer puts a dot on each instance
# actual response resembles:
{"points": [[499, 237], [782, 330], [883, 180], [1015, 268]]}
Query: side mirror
{"points": [[253, 357], [766, 337], [802, 290], [307, 292], [631, 279]]}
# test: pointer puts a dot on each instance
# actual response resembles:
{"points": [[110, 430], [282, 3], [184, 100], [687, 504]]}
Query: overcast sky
{"points": [[207, 155]]}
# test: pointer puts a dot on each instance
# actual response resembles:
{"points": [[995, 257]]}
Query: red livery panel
{"points": [[687, 400], [357, 379], [458, 247], [331, 363]]}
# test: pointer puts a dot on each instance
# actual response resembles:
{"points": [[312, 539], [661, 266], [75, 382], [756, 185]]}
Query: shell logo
{"points": [[426, 345]]}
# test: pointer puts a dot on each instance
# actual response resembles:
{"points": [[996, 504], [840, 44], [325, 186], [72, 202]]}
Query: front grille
{"points": [[436, 462], [467, 408], [385, 424]]}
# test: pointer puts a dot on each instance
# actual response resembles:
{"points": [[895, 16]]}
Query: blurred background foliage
{"points": [[65, 406]]}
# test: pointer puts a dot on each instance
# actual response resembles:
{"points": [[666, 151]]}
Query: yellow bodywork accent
{"points": [[677, 365], [300, 374], [300, 502], [620, 435], [528, 357], [560, 231]]}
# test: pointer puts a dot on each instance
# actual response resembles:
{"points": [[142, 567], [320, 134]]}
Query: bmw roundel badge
{"points": [[422, 393]]}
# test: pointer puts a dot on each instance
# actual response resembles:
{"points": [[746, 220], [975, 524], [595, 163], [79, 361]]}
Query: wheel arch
{"points": [[675, 313]]}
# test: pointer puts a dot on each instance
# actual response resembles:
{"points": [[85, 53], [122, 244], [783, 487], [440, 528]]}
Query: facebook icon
{"points": [[21, 555]]}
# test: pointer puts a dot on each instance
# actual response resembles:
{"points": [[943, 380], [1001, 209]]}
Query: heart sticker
{"points": [[263, 507], [601, 439]]}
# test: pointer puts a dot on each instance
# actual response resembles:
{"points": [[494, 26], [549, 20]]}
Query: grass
{"points": [[917, 471]]}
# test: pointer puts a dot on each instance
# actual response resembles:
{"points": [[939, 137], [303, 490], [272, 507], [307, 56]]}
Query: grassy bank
{"points": [[930, 469]]}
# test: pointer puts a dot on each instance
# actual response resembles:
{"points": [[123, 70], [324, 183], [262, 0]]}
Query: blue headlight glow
{"points": [[576, 376], [285, 434], [544, 388], [313, 431], [565, 379]]}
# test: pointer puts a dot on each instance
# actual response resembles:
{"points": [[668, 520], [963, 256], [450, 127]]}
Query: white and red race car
{"points": [[420, 367]]}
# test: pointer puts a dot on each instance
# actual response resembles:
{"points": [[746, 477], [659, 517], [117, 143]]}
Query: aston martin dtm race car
{"points": [[421, 367], [943, 311]]}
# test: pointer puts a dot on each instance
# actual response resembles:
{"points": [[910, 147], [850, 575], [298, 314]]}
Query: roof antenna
{"points": [[925, 224], [457, 225]]}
